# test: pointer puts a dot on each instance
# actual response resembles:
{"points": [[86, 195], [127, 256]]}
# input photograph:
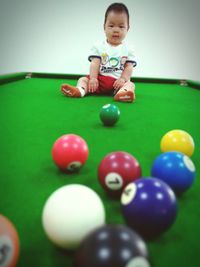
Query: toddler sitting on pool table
{"points": [[112, 61]]}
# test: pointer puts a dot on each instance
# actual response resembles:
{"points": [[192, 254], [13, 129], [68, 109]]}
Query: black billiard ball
{"points": [[112, 246]]}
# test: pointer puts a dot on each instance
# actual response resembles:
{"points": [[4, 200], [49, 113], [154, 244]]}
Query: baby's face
{"points": [[116, 27]]}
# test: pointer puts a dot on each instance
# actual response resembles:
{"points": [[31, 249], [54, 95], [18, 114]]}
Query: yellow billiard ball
{"points": [[178, 140]]}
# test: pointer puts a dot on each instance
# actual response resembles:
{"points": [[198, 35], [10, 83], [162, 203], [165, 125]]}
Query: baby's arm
{"points": [[94, 71], [127, 72], [126, 75]]}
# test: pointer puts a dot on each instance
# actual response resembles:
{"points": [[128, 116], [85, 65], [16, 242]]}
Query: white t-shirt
{"points": [[113, 58]]}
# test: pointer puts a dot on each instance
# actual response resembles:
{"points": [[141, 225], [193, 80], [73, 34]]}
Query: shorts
{"points": [[105, 84]]}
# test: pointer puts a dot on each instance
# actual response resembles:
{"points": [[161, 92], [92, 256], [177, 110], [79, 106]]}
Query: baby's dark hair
{"points": [[117, 7]]}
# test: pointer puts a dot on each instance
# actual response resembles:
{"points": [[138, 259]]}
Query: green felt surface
{"points": [[33, 114]]}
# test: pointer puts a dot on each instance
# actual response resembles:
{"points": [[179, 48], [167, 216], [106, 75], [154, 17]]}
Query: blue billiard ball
{"points": [[176, 169], [149, 206]]}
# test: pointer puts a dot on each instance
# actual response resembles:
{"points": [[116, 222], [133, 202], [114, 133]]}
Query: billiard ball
{"points": [[70, 213], [9, 243], [176, 169], [177, 140], [70, 152], [149, 206], [116, 170], [112, 246], [109, 114]]}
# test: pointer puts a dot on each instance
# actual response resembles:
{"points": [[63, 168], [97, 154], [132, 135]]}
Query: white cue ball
{"points": [[70, 213]]}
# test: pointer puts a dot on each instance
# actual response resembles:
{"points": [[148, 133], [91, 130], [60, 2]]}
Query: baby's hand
{"points": [[93, 85], [118, 84]]}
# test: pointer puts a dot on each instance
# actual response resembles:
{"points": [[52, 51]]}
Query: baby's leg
{"points": [[126, 93], [76, 91]]}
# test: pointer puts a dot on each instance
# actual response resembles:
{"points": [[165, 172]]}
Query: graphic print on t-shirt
{"points": [[113, 64]]}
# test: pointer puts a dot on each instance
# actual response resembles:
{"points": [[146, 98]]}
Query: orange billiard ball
{"points": [[9, 243]]}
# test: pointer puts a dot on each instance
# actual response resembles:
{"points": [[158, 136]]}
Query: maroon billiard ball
{"points": [[9, 243], [116, 170], [70, 152]]}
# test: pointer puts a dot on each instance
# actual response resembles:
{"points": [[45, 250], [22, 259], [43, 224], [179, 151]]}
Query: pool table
{"points": [[33, 114]]}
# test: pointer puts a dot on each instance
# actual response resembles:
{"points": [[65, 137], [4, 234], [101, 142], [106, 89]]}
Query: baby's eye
{"points": [[111, 26], [121, 27]]}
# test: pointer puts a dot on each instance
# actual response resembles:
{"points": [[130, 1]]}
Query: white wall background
{"points": [[55, 36]]}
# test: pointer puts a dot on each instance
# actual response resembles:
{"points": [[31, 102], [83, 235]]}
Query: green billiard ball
{"points": [[109, 114]]}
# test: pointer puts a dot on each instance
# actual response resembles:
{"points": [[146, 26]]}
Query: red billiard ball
{"points": [[9, 243], [70, 152], [116, 170]]}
